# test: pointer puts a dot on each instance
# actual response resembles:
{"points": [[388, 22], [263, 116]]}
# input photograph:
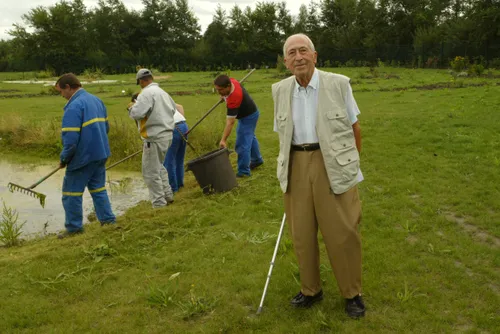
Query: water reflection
{"points": [[125, 189]]}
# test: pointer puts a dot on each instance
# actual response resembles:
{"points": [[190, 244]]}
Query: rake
{"points": [[29, 190]]}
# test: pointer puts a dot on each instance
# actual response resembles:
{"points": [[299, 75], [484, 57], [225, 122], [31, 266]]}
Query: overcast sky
{"points": [[12, 10]]}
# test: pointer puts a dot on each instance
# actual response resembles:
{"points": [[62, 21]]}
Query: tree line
{"points": [[166, 35]]}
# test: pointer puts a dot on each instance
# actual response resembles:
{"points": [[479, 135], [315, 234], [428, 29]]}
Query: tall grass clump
{"points": [[123, 138], [20, 133], [44, 136], [10, 229], [44, 74], [207, 135], [95, 73]]}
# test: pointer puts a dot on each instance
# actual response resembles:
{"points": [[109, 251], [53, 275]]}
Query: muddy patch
{"points": [[125, 190], [475, 231], [467, 270], [412, 240]]}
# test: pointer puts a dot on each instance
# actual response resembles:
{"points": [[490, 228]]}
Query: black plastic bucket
{"points": [[213, 171]]}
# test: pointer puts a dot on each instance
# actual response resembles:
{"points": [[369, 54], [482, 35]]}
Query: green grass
{"points": [[430, 230]]}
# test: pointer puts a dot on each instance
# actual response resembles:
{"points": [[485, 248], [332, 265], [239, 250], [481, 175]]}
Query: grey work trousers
{"points": [[154, 173]]}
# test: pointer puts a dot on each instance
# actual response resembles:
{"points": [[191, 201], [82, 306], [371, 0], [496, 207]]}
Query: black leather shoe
{"points": [[254, 165], [301, 300], [354, 307]]}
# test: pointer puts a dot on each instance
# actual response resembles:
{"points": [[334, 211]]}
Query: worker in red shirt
{"points": [[241, 107]]}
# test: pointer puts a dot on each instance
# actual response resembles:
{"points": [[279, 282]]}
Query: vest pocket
{"points": [[281, 120], [337, 120], [342, 140], [349, 160], [347, 157], [280, 170], [336, 114]]}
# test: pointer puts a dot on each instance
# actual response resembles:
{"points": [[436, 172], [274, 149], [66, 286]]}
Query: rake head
{"points": [[15, 187]]}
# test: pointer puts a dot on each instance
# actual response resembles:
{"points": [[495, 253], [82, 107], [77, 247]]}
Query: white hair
{"points": [[311, 44]]}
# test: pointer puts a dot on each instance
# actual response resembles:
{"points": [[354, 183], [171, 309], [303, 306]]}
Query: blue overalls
{"points": [[85, 151], [247, 145], [174, 160]]}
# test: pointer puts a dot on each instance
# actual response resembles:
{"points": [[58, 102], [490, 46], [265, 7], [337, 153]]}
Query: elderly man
{"points": [[315, 115], [85, 130], [154, 112]]}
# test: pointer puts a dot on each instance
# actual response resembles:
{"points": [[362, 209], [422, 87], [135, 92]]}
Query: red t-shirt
{"points": [[239, 103]]}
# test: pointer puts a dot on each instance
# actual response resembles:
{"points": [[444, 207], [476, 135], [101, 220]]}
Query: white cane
{"points": [[272, 264]]}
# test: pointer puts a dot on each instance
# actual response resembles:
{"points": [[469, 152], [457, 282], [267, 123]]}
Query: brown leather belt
{"points": [[305, 147]]}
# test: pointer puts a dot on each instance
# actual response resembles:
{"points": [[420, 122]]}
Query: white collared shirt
{"points": [[178, 117], [305, 109]]}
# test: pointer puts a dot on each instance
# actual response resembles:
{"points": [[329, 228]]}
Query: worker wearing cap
{"points": [[154, 112]]}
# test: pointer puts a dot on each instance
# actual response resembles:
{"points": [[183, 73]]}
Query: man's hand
{"points": [[62, 164], [223, 144], [130, 104]]}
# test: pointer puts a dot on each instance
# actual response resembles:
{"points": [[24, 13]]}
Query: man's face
{"points": [[299, 57], [66, 92], [223, 91]]}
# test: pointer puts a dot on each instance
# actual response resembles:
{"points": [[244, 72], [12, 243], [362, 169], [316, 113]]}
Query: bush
{"points": [[44, 74], [494, 63], [350, 63], [49, 90], [459, 63], [93, 73], [476, 69]]}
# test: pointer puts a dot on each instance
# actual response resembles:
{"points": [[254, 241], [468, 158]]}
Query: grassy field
{"points": [[430, 230]]}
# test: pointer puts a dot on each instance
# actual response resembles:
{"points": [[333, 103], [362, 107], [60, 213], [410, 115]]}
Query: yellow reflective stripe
{"points": [[93, 121], [142, 130], [70, 129], [97, 190], [65, 193]]}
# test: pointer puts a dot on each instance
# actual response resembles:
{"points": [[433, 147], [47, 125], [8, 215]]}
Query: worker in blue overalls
{"points": [[84, 135]]}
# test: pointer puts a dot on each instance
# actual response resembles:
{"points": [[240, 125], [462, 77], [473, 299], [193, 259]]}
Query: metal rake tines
{"points": [[15, 187], [42, 200]]}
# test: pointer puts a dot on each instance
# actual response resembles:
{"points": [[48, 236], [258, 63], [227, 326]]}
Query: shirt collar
{"points": [[78, 92], [313, 83], [150, 85]]}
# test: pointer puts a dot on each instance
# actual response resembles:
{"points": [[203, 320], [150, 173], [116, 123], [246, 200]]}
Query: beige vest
{"points": [[333, 127]]}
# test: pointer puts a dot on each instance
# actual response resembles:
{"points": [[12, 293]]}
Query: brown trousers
{"points": [[309, 203]]}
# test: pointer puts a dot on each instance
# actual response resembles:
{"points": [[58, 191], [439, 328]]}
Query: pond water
{"points": [[125, 190]]}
